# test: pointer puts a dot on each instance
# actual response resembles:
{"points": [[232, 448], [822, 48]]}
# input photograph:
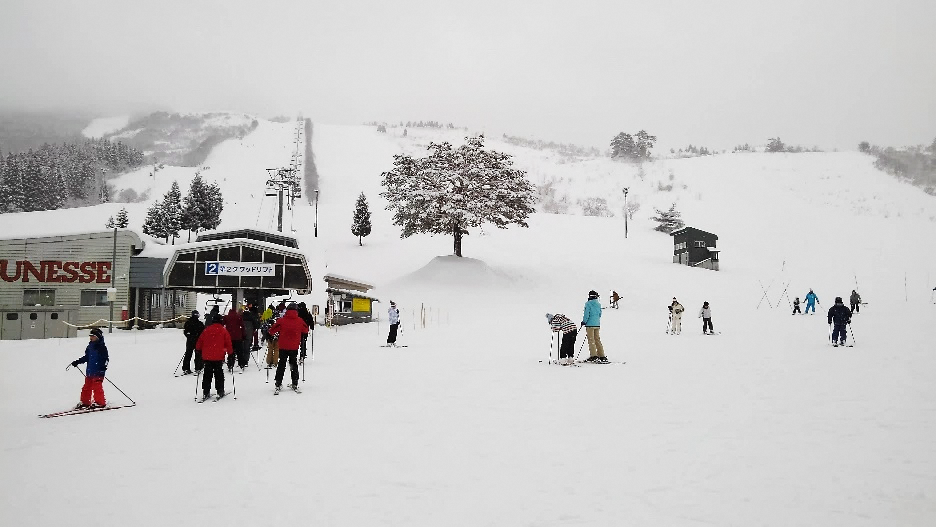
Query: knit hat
{"points": [[97, 333], [195, 314], [392, 303], [592, 294], [549, 317], [838, 300]]}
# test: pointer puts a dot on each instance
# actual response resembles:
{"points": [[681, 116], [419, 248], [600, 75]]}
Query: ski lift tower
{"points": [[282, 182]]}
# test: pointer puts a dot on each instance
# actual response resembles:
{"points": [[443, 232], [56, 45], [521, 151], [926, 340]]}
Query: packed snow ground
{"points": [[764, 424]]}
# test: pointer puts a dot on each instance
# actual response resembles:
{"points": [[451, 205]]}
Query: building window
{"points": [[345, 305], [180, 300], [39, 297], [699, 244], [154, 300], [94, 297]]}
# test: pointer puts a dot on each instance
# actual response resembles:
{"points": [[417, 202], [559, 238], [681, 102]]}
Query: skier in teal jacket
{"points": [[591, 321], [811, 300]]}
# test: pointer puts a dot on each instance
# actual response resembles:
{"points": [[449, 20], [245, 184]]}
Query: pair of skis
{"points": [[78, 411], [215, 398], [277, 390]]}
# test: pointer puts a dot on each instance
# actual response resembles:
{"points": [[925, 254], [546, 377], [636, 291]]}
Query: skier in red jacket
{"points": [[214, 343], [289, 331]]}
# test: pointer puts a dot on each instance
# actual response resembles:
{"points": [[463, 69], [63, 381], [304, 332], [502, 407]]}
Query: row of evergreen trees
{"points": [[633, 147], [199, 210], [54, 175]]}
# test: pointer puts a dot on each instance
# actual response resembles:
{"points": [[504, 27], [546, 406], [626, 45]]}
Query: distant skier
{"points": [[394, 317], [213, 344], [855, 301], [591, 321], [796, 308], [560, 322], [706, 314], [192, 330], [676, 310], [289, 331], [234, 323], [614, 299], [811, 300], [95, 355], [840, 315]]}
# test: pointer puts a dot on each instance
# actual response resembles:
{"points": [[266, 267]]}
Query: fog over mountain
{"points": [[827, 73]]}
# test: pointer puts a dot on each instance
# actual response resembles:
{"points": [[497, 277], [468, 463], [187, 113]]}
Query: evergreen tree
{"points": [[123, 219], [669, 220], [155, 224], [110, 223], [172, 212], [644, 144], [195, 206], [774, 144], [623, 145], [454, 189], [215, 205], [361, 224], [11, 184]]}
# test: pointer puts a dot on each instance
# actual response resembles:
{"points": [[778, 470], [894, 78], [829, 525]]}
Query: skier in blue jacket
{"points": [[591, 321], [97, 359], [811, 300]]}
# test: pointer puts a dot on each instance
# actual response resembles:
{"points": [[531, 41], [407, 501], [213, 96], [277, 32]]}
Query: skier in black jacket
{"points": [[192, 330], [840, 315], [306, 317]]}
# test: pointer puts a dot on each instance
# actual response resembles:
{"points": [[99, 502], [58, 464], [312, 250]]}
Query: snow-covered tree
{"points": [[214, 207], [361, 224], [110, 223], [774, 144], [450, 190], [155, 224], [172, 212], [194, 206], [668, 220], [123, 219], [644, 144], [623, 145]]}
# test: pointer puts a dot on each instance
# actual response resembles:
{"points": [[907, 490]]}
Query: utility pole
{"points": [[113, 283], [316, 213], [626, 212]]}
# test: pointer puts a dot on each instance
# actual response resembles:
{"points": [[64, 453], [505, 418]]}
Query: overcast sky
{"points": [[716, 73]]}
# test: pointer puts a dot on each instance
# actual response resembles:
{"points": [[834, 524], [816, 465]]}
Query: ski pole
{"points": [[256, 361], [579, 354], [830, 333], [303, 370], [852, 331], [233, 386], [177, 366], [552, 343], [121, 391], [197, 376]]}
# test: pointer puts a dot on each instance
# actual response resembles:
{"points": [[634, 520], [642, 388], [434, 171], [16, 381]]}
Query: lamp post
{"points": [[110, 327], [316, 213], [626, 212]]}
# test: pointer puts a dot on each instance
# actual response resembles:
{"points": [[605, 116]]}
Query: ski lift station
{"points": [[51, 285], [695, 248]]}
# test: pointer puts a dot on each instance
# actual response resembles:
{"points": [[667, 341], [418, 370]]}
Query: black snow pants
{"points": [[213, 368], [391, 338], [287, 355], [189, 350], [567, 348], [707, 323]]}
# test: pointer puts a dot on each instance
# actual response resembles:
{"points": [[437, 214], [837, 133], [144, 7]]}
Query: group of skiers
{"points": [[812, 300], [285, 330], [591, 321]]}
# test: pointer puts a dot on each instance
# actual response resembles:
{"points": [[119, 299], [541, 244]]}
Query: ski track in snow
{"points": [[765, 425]]}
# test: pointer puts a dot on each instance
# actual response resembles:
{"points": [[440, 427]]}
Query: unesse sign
{"points": [[54, 271]]}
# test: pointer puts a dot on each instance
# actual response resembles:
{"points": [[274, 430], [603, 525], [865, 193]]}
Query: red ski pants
{"points": [[93, 385]]}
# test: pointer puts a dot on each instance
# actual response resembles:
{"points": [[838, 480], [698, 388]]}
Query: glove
{"points": [[74, 363]]}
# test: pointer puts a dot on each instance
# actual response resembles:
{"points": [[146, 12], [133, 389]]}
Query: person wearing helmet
{"points": [[192, 330], [591, 321], [840, 316], [811, 300]]}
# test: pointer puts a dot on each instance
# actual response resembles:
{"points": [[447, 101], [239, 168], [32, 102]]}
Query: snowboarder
{"points": [[213, 344], [192, 330], [288, 331], [855, 301], [841, 316], [706, 315], [96, 356], [811, 300], [234, 323], [394, 315], [306, 317], [560, 322], [796, 308], [591, 321], [614, 299], [676, 310]]}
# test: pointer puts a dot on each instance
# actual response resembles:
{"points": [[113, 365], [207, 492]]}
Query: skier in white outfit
{"points": [[676, 311], [394, 315]]}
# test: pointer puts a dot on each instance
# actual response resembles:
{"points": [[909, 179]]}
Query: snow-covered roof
{"points": [[355, 294], [331, 277]]}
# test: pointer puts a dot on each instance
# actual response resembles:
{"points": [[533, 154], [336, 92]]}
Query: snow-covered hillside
{"points": [[764, 424]]}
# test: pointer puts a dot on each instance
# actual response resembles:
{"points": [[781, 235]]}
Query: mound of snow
{"points": [[455, 271]]}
